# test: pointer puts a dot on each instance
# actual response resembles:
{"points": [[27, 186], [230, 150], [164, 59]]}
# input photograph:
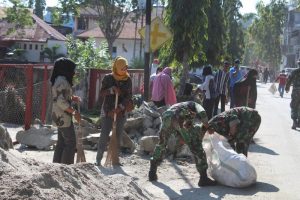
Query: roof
{"points": [[128, 31], [40, 31]]}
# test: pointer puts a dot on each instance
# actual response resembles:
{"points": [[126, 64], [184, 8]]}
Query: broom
{"points": [[112, 157], [80, 151]]}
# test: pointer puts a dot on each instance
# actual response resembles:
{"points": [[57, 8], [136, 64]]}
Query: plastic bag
{"points": [[225, 165], [273, 88]]}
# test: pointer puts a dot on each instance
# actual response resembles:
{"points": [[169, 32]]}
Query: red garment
{"points": [[282, 79]]}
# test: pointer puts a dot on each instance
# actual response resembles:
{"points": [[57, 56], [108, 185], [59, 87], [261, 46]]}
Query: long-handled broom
{"points": [[112, 157], [80, 150]]}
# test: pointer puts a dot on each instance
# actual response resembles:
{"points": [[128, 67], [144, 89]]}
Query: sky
{"points": [[249, 5]]}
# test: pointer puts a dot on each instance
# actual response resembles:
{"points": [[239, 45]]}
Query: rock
{"points": [[150, 110], [94, 138], [133, 133], [157, 122], [5, 139], [86, 130], [150, 132], [147, 143], [134, 123], [148, 122], [41, 138], [126, 142]]}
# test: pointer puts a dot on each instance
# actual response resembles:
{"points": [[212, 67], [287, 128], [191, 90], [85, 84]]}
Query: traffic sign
{"points": [[159, 34]]}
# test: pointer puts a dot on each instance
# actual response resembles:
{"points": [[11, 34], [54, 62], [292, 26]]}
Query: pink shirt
{"points": [[163, 88]]}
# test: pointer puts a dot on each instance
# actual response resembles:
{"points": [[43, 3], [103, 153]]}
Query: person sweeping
{"points": [[116, 84]]}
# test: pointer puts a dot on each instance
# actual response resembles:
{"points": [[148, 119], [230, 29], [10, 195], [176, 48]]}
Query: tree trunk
{"points": [[184, 74], [110, 47]]}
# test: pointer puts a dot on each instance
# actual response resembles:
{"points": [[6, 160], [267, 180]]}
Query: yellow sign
{"points": [[159, 34]]}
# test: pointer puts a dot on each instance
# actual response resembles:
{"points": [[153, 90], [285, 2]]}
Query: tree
{"points": [[18, 15], [39, 8], [267, 29], [188, 22], [112, 15], [51, 53], [234, 44], [87, 56], [216, 32]]}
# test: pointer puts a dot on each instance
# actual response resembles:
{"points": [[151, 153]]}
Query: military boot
{"points": [[205, 181], [294, 124], [152, 172]]}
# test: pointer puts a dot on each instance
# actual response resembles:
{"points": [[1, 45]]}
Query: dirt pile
{"points": [[23, 178]]}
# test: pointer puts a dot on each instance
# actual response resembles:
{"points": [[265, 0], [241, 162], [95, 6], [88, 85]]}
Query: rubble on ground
{"points": [[23, 178], [5, 139]]}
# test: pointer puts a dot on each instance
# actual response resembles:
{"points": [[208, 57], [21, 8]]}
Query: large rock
{"points": [[127, 143], [150, 132], [148, 122], [41, 138], [134, 123], [147, 143], [5, 140], [150, 110]]}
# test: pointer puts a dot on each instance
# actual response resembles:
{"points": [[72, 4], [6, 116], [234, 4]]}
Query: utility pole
{"points": [[147, 50]]}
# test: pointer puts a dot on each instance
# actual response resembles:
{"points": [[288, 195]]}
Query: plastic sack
{"points": [[225, 165], [273, 88]]}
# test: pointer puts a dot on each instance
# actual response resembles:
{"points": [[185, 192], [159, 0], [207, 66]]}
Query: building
{"points": [[32, 39], [291, 39]]}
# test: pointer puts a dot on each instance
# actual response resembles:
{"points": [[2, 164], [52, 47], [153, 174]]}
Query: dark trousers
{"points": [[65, 146], [208, 105], [223, 102], [106, 127]]}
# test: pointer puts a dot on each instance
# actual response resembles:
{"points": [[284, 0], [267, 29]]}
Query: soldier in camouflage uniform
{"points": [[294, 79], [62, 111], [238, 125], [179, 120]]}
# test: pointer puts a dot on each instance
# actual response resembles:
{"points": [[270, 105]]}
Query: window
{"points": [[82, 23], [36, 47], [114, 52], [25, 46], [30, 46], [42, 47]]}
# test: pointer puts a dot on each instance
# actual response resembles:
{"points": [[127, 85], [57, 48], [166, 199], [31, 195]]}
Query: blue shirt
{"points": [[233, 76]]}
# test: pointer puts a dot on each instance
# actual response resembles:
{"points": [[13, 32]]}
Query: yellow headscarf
{"points": [[117, 72]]}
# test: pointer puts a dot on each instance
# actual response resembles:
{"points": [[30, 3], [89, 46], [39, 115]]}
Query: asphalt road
{"points": [[275, 155]]}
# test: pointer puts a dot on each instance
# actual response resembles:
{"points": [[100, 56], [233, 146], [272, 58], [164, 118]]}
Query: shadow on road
{"points": [[219, 192], [216, 192], [261, 149]]}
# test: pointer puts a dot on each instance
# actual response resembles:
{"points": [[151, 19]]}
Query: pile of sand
{"points": [[23, 178]]}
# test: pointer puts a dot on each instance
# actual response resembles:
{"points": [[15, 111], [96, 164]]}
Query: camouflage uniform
{"points": [[173, 120], [294, 79], [247, 121]]}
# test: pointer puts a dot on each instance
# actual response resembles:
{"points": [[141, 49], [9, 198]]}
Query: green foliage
{"points": [[234, 44], [137, 63], [86, 55], [216, 33], [266, 30], [51, 53], [39, 8], [18, 15]]}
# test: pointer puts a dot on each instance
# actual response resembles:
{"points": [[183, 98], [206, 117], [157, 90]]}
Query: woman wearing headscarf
{"points": [[116, 83], [62, 111], [245, 90], [163, 92]]}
